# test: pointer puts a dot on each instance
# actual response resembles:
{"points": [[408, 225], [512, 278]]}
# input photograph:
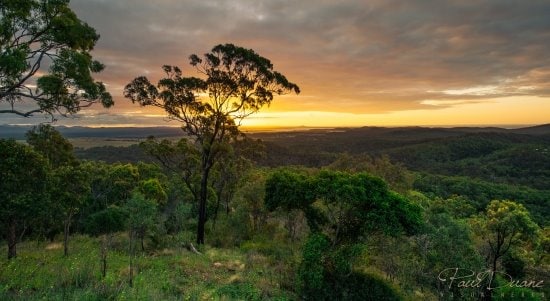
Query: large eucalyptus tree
{"points": [[235, 82]]}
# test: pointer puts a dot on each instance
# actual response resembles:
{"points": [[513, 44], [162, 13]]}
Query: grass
{"points": [[40, 272]]}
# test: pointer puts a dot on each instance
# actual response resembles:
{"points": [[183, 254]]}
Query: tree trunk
{"points": [[51, 236], [489, 292], [66, 236], [131, 274], [202, 206], [227, 211], [142, 238], [12, 239], [215, 214], [104, 246]]}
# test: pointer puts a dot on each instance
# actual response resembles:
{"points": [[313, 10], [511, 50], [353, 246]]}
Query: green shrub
{"points": [[312, 273], [514, 265], [230, 230], [364, 287], [111, 219], [325, 273]]}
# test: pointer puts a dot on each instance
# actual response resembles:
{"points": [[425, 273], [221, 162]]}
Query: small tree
{"points": [[251, 196], [70, 189], [141, 216], [70, 184], [437, 252], [238, 82], [24, 175], [153, 192], [292, 191], [506, 224], [48, 141], [342, 205], [38, 33], [103, 223]]}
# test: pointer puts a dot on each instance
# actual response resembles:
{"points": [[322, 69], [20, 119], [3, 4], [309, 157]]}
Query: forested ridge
{"points": [[482, 163], [292, 213]]}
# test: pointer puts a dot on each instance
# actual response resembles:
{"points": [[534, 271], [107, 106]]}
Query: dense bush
{"points": [[106, 221], [311, 273], [327, 274]]}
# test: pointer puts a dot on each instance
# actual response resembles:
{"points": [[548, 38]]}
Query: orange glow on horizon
{"points": [[520, 110], [509, 111]]}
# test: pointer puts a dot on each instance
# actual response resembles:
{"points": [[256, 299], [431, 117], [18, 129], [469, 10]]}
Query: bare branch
{"points": [[23, 114]]}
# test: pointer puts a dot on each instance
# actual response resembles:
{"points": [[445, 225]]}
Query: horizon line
{"points": [[283, 127]]}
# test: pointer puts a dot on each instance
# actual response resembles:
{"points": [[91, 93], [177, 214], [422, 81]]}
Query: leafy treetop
{"points": [[342, 205], [39, 33], [238, 83]]}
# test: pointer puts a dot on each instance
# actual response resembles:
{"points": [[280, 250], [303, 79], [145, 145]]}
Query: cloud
{"points": [[347, 56]]}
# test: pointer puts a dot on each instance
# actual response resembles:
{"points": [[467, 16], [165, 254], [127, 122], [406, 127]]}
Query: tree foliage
{"points": [[342, 205], [69, 190], [49, 142], [341, 209], [181, 158], [480, 193], [141, 213], [24, 175], [326, 273], [39, 33], [152, 189], [237, 83], [506, 224], [106, 221], [110, 186]]}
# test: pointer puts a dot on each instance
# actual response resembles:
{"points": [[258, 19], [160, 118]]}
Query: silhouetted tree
{"points": [[237, 83]]}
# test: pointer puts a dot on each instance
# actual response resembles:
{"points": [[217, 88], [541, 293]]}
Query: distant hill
{"points": [[401, 133], [380, 139], [18, 132], [543, 129], [518, 156]]}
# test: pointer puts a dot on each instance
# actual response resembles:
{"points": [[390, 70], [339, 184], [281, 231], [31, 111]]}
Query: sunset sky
{"points": [[358, 63]]}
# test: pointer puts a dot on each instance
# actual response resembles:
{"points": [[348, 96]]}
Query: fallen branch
{"points": [[192, 248]]}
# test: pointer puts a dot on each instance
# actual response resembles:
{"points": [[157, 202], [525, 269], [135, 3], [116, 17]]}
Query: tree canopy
{"points": [[343, 205], [236, 82], [341, 208], [23, 179], [40, 34], [49, 142], [505, 225]]}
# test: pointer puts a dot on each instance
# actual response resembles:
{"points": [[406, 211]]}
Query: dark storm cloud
{"points": [[355, 56]]}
